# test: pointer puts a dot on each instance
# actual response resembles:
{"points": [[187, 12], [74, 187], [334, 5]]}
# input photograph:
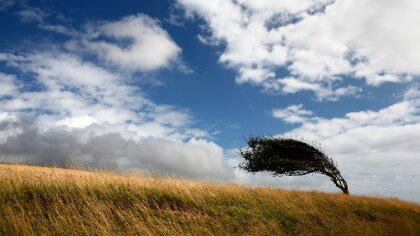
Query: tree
{"points": [[290, 157]]}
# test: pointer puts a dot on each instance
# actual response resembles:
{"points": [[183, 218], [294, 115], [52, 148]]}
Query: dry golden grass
{"points": [[42, 201]]}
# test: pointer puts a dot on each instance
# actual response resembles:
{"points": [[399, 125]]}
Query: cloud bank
{"points": [[23, 141]]}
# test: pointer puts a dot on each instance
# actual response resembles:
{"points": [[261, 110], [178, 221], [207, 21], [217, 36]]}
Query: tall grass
{"points": [[42, 200]]}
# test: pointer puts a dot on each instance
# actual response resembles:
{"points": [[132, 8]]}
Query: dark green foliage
{"points": [[285, 156]]}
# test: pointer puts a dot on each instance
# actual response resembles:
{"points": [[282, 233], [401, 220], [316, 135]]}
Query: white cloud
{"points": [[7, 85], [377, 151], [293, 85], [322, 44], [76, 93], [135, 42], [254, 75], [7, 126], [77, 121], [377, 37], [132, 43], [292, 114]]}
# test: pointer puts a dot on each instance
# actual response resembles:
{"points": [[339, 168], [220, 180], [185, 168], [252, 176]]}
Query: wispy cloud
{"points": [[292, 114], [32, 14], [6, 4]]}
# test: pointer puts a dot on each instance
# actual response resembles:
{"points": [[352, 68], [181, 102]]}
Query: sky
{"points": [[175, 87]]}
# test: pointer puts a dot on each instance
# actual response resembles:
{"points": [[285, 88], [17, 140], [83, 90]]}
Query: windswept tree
{"points": [[290, 157]]}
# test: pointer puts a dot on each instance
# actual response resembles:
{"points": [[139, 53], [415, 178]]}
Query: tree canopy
{"points": [[290, 157]]}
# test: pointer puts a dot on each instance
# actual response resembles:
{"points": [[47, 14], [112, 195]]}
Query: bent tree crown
{"points": [[286, 156]]}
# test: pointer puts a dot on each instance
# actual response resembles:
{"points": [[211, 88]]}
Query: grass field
{"points": [[41, 200]]}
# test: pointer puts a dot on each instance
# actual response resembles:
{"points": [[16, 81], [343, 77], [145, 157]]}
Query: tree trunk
{"points": [[342, 184], [339, 181]]}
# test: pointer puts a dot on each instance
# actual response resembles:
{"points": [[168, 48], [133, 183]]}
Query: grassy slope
{"points": [[38, 200]]}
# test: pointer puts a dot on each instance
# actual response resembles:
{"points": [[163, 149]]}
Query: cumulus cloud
{"points": [[322, 45], [377, 151], [373, 40], [135, 42]]}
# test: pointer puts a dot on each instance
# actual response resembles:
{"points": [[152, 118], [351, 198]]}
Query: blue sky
{"points": [[173, 87]]}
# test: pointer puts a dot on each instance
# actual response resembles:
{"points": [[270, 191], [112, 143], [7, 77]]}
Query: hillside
{"points": [[42, 200]]}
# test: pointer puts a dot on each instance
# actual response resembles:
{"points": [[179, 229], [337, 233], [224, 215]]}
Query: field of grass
{"points": [[42, 200]]}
